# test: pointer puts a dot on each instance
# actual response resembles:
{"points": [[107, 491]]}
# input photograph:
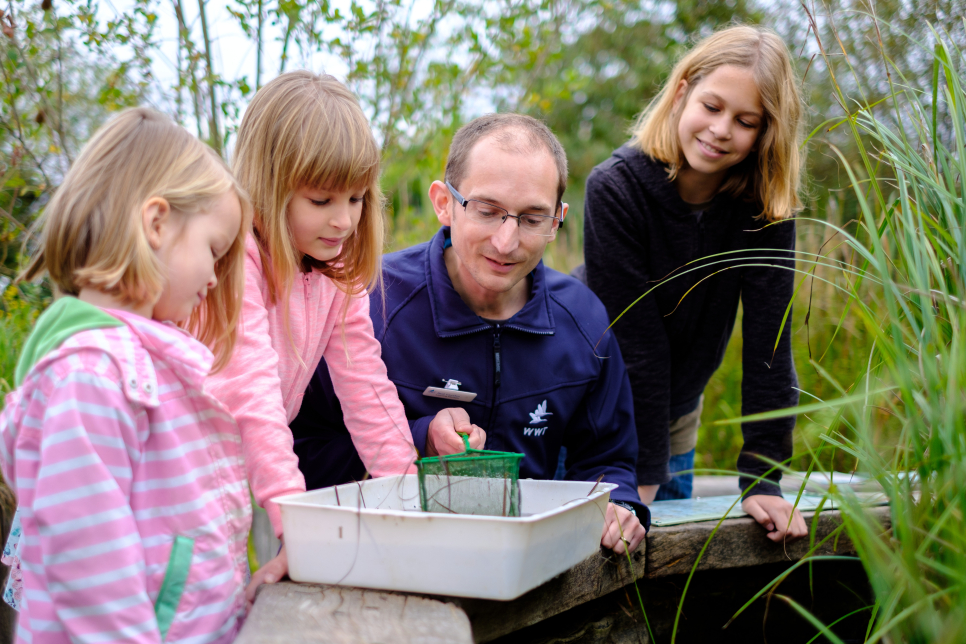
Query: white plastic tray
{"points": [[374, 535]]}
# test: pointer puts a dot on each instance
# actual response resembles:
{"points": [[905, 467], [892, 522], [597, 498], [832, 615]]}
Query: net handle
{"points": [[466, 441]]}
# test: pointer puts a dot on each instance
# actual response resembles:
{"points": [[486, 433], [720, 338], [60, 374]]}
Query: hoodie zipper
{"points": [[497, 367], [496, 358]]}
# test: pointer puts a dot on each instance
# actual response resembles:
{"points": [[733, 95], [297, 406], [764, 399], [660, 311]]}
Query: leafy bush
{"points": [[19, 309]]}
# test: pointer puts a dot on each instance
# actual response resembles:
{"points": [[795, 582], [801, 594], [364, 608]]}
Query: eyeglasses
{"points": [[487, 214]]}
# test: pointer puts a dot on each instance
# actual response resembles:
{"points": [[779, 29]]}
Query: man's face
{"points": [[492, 260]]}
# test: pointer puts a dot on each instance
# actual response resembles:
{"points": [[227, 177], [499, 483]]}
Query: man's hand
{"points": [[271, 572], [444, 432], [628, 523], [772, 512], [647, 493]]}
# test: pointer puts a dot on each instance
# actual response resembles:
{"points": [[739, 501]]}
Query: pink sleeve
{"points": [[371, 408], [79, 528], [251, 389]]}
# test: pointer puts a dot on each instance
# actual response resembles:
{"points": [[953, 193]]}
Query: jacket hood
{"points": [[64, 318], [452, 316]]}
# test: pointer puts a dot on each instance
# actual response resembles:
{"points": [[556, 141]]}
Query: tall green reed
{"points": [[910, 188], [905, 286], [902, 285]]}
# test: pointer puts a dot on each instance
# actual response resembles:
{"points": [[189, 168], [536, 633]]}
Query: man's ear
{"points": [[680, 93], [563, 215], [155, 216], [442, 200]]}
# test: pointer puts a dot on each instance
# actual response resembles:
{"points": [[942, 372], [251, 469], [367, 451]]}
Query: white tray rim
{"points": [[418, 515]]}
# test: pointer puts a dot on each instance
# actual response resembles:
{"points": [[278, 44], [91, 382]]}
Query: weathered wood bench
{"points": [[292, 612]]}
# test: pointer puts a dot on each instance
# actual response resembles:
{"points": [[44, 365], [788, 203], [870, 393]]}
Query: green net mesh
{"points": [[472, 482]]}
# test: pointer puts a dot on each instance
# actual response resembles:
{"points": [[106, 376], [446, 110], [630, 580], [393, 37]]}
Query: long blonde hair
{"points": [[770, 176], [305, 129], [92, 233]]}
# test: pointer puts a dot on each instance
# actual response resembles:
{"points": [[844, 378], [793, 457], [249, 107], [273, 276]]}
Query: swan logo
{"points": [[538, 417]]}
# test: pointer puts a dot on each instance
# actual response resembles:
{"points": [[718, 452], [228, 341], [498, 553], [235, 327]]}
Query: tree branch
{"points": [[213, 134]]}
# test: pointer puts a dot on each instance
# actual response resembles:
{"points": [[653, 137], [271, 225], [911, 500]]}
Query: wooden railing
{"points": [[292, 612]]}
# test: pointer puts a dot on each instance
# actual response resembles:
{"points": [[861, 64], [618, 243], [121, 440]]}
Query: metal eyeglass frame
{"points": [[461, 200]]}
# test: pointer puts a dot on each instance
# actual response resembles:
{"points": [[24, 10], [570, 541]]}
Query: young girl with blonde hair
{"points": [[133, 510], [706, 190], [306, 155]]}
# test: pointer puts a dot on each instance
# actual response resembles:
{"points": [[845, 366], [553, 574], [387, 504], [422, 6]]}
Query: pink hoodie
{"points": [[265, 381]]}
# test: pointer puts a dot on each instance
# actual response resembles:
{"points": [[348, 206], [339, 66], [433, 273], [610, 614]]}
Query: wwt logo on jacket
{"points": [[537, 418]]}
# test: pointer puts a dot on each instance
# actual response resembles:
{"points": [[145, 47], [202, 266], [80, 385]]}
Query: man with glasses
{"points": [[475, 330]]}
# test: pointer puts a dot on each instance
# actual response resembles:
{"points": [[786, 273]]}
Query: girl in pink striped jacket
{"points": [[133, 506], [306, 155]]}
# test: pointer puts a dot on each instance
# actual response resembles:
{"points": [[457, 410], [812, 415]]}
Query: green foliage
{"points": [[19, 309], [907, 287], [61, 79], [591, 92], [420, 71], [903, 285], [881, 252]]}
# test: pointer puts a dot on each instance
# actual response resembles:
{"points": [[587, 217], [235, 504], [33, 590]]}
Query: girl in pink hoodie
{"points": [[306, 155], [132, 503]]}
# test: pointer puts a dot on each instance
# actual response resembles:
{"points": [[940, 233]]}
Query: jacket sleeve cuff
{"points": [[642, 511], [764, 487], [420, 430], [275, 512], [653, 475]]}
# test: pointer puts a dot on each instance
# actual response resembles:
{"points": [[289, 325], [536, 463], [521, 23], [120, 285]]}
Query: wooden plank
{"points": [[672, 550], [292, 613], [739, 543], [666, 551], [594, 577]]}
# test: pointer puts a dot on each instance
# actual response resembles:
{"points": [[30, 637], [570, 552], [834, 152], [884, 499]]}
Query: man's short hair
{"points": [[514, 133]]}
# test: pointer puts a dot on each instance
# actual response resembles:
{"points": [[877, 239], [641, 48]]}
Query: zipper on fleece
{"points": [[496, 357], [497, 368]]}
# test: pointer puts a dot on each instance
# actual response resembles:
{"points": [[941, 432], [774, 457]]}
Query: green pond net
{"points": [[472, 482]]}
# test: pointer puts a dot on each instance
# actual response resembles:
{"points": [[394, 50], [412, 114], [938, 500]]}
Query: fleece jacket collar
{"points": [[63, 319], [452, 317], [653, 174]]}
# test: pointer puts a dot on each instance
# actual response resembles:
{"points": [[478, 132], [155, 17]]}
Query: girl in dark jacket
{"points": [[704, 193]]}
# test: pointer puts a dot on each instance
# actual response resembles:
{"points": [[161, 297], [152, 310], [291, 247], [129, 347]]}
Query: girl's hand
{"points": [[270, 573], [772, 512], [444, 433]]}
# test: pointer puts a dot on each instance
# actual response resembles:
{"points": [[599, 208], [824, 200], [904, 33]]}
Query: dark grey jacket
{"points": [[638, 232]]}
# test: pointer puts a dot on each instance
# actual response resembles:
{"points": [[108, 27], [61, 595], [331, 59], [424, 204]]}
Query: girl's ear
{"points": [[680, 93], [155, 216]]}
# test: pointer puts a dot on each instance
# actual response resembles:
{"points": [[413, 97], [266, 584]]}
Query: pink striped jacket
{"points": [[132, 494]]}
